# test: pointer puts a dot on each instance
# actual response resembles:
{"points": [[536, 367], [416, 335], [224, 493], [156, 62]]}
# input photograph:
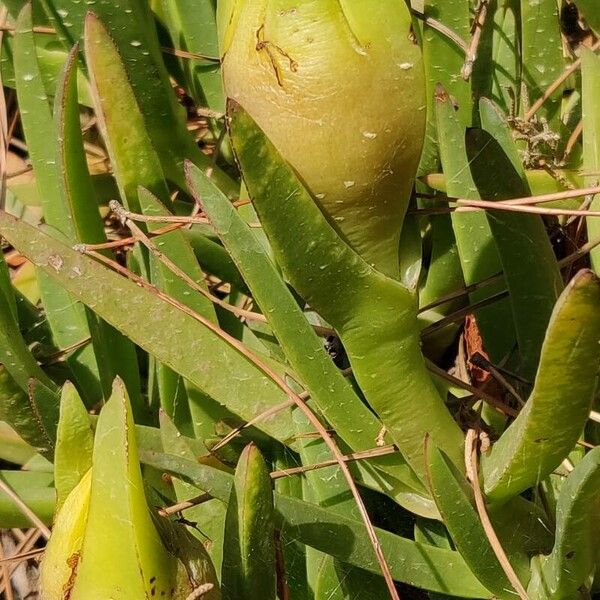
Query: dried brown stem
{"points": [[33, 518], [471, 54], [556, 84], [472, 468]]}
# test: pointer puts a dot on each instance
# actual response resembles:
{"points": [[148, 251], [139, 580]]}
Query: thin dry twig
{"points": [[21, 556], [465, 205], [556, 84], [127, 219], [481, 394], [573, 140], [58, 356], [471, 54], [461, 313], [264, 415], [36, 29], [480, 361], [356, 456], [443, 29], [472, 468], [6, 576], [184, 505], [562, 263], [190, 55], [26, 543], [298, 401], [4, 487]]}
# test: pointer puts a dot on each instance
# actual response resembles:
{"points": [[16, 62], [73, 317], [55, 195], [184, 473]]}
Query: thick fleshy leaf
{"points": [[134, 32], [476, 247], [67, 318], [331, 392], [443, 60], [122, 555], [249, 548], [64, 547], [572, 558], [530, 268], [374, 315], [326, 81], [454, 499], [74, 444], [116, 355], [554, 416], [136, 163]]}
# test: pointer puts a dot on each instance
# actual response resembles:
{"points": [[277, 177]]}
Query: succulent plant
{"points": [[246, 352]]}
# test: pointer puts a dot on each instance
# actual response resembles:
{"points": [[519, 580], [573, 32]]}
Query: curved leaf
{"points": [[330, 391], [476, 247], [530, 268], [374, 315], [454, 499], [249, 548], [573, 556], [553, 418], [67, 318], [116, 355]]}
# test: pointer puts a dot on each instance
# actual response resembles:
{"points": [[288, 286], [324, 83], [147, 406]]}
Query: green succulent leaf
{"points": [[249, 550], [74, 444], [68, 319], [132, 27], [554, 416], [571, 562], [454, 498], [126, 559], [287, 65], [530, 268], [476, 247], [331, 392], [374, 315], [116, 355]]}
